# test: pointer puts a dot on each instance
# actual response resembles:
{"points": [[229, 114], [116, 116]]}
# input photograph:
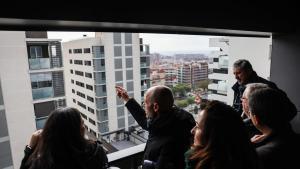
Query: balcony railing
{"points": [[144, 65], [42, 93], [39, 63], [144, 76]]}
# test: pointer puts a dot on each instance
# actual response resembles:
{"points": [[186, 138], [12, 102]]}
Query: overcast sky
{"points": [[159, 43]]}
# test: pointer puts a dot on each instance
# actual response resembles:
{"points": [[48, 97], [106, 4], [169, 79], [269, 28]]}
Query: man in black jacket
{"points": [[169, 127], [244, 74]]}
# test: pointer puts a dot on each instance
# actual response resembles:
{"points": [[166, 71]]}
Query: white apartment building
{"points": [[31, 86], [256, 50], [93, 67]]}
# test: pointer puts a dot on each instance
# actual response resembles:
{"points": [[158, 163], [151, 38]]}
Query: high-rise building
{"points": [[145, 67], [46, 75], [32, 85], [93, 67], [219, 68]]}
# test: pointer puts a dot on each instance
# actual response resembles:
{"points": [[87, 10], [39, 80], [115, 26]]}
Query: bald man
{"points": [[169, 127]]}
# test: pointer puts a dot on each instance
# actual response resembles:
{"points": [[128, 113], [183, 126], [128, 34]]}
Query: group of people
{"points": [[254, 133]]}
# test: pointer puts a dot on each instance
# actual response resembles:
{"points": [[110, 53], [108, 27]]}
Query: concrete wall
{"points": [[285, 68], [16, 88]]}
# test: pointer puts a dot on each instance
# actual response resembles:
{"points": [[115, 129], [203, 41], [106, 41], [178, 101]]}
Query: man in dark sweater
{"points": [[169, 127]]}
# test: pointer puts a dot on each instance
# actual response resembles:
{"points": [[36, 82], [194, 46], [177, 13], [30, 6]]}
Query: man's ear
{"points": [[155, 107], [255, 119]]}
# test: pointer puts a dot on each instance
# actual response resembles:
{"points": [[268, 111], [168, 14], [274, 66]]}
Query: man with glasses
{"points": [[169, 127]]}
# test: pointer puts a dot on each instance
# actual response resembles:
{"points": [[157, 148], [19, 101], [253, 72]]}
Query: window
{"points": [[71, 71], [86, 50], [78, 62], [120, 111], [80, 73], [87, 63], [74, 101], [118, 63], [119, 76], [72, 81], [73, 91], [35, 52], [128, 62], [41, 84], [89, 75], [102, 115], [103, 127], [117, 51], [121, 122], [91, 110], [81, 105], [71, 61], [92, 121], [80, 94], [98, 51], [89, 87], [128, 50], [70, 50], [129, 74], [131, 120], [90, 99], [77, 50], [128, 38], [117, 38], [129, 86], [79, 84]]}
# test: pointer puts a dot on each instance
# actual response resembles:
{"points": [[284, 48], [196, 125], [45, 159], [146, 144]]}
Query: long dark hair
{"points": [[62, 140], [224, 142]]}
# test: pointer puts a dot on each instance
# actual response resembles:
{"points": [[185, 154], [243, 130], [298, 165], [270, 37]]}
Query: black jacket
{"points": [[239, 89], [279, 151], [94, 157], [169, 136]]}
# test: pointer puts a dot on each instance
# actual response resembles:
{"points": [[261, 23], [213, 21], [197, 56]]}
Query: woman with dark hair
{"points": [[61, 144], [220, 140]]}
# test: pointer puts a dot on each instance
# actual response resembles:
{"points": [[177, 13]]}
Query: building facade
{"points": [[94, 66]]}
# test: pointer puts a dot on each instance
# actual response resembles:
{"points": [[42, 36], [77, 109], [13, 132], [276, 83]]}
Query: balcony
{"points": [[144, 65], [39, 63], [42, 93], [144, 76]]}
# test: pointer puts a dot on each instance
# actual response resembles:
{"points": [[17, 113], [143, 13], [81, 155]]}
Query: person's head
{"points": [[158, 99], [249, 89], [220, 138], [63, 135], [268, 108], [198, 99], [242, 70]]}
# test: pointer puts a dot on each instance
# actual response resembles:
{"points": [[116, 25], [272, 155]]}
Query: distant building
{"points": [[192, 73]]}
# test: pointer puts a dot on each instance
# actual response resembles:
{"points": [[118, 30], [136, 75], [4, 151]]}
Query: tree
{"points": [[203, 84], [190, 100], [182, 103], [181, 89]]}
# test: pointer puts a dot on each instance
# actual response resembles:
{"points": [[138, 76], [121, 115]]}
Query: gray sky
{"points": [[159, 43]]}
